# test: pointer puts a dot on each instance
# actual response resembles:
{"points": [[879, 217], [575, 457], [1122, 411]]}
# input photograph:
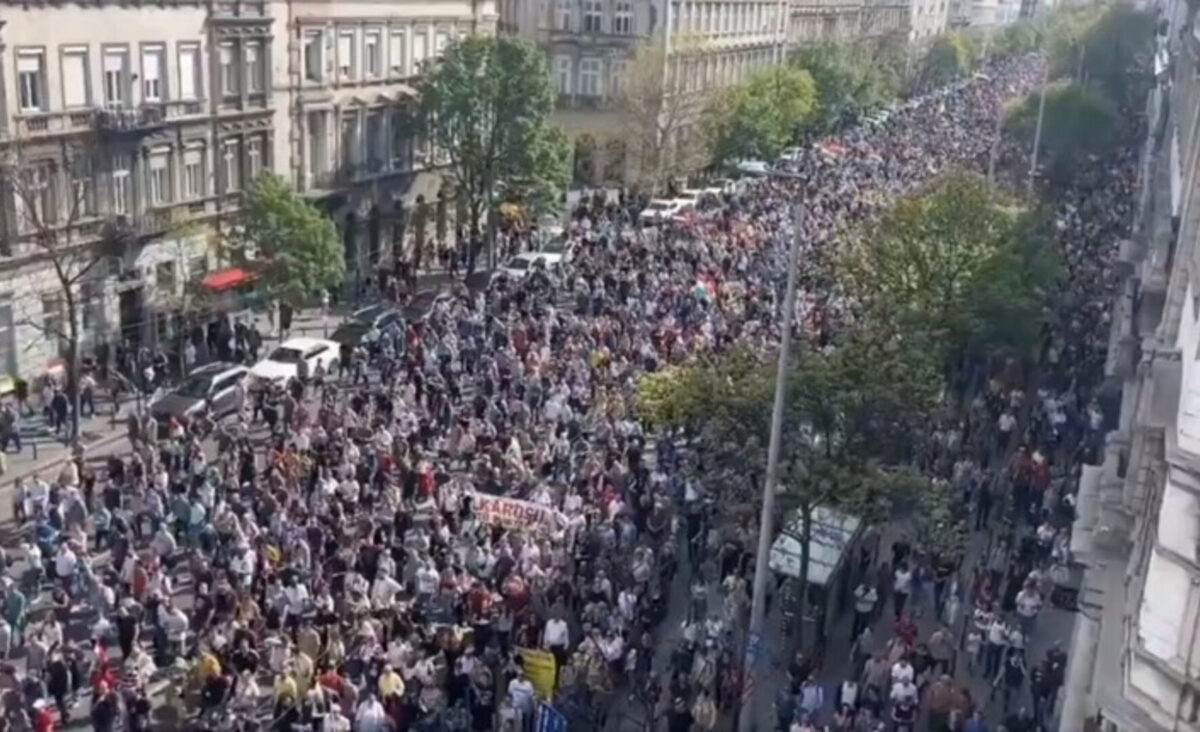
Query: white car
{"points": [[791, 154], [702, 197], [522, 264], [753, 167], [663, 209], [283, 362]]}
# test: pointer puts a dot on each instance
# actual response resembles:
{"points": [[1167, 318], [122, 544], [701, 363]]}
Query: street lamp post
{"points": [[766, 521], [1037, 132]]}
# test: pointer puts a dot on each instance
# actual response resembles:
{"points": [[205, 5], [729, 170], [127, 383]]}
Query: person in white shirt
{"points": [[904, 691], [371, 716], [902, 670], [1029, 604], [901, 587], [520, 695], [65, 563]]}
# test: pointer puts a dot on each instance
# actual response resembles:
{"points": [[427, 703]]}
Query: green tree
{"points": [[1113, 50], [759, 118], [850, 416], [938, 264], [486, 105], [1077, 122], [286, 240], [950, 56], [1018, 39], [847, 81], [658, 108]]}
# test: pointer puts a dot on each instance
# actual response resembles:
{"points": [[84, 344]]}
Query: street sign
{"points": [[549, 719]]}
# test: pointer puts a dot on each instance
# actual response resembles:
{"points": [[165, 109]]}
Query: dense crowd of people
{"points": [[474, 485]]}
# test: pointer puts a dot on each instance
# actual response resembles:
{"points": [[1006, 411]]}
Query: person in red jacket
{"points": [[43, 717]]}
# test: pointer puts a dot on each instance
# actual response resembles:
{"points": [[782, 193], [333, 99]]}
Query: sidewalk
{"points": [[42, 452]]}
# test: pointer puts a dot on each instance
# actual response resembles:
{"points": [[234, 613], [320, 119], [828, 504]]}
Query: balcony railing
{"points": [[130, 121], [345, 175]]}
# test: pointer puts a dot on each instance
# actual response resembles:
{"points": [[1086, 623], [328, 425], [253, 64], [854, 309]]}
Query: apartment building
{"points": [[844, 20], [1134, 661], [591, 45], [126, 130], [927, 18], [344, 93]]}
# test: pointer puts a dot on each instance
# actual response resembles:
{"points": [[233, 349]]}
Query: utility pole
{"points": [[766, 529], [1037, 132]]}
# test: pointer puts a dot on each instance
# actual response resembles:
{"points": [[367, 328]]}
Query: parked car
{"points": [[526, 262], [791, 154], [663, 209], [284, 362], [362, 321], [218, 387], [755, 168]]}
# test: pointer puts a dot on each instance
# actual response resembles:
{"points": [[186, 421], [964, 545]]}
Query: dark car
{"points": [[353, 331], [219, 387]]}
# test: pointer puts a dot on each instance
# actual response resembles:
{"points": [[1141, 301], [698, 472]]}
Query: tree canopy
{"points": [[848, 82], [1114, 49], [1077, 122], [486, 105], [294, 249], [958, 264], [951, 55], [759, 118], [1018, 39], [658, 107]]}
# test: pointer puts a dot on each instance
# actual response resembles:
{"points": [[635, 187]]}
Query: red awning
{"points": [[226, 279]]}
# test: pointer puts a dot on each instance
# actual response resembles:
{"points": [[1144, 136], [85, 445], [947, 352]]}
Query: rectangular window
{"points": [[193, 174], [375, 142], [254, 162], [189, 71], [35, 200], [252, 60], [153, 68], [52, 316], [420, 48], [623, 18], [116, 76], [562, 73], [229, 79], [589, 78], [592, 15], [397, 50], [74, 70], [160, 179], [120, 184], [31, 80], [617, 71], [402, 143], [440, 42], [314, 65], [372, 50], [345, 54], [350, 142], [164, 276], [562, 15], [83, 201], [230, 165]]}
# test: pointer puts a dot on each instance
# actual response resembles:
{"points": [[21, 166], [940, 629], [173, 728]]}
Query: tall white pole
{"points": [[766, 529], [1037, 132]]}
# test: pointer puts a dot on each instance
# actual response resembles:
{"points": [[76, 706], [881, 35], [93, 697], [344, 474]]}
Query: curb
{"points": [[9, 479]]}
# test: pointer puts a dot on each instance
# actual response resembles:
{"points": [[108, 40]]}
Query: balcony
{"points": [[136, 121], [579, 101], [347, 175], [120, 230]]}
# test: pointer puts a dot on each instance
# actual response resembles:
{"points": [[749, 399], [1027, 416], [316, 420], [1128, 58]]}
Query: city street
{"points": [[478, 478]]}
